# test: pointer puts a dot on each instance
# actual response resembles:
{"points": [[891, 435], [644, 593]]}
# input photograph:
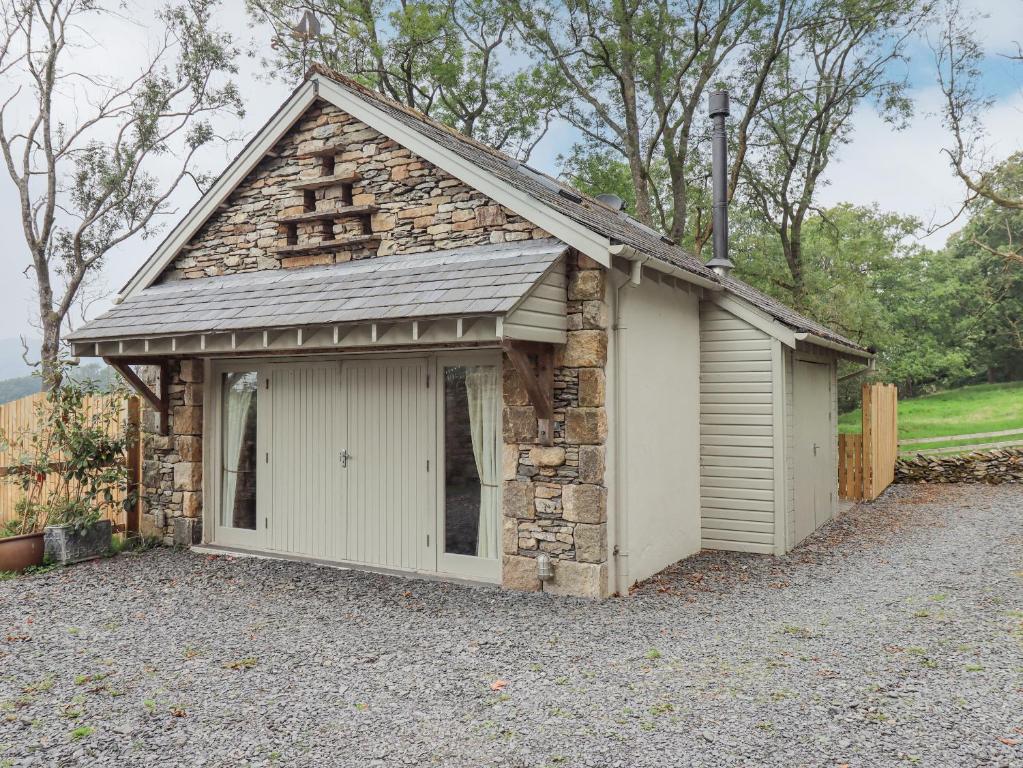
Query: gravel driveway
{"points": [[893, 637]]}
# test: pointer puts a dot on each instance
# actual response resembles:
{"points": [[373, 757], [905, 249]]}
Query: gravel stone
{"points": [[892, 637]]}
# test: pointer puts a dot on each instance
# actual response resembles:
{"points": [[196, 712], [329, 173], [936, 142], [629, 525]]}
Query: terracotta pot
{"points": [[19, 552]]}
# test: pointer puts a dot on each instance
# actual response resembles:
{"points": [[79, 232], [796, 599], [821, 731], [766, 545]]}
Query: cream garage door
{"points": [[348, 462], [813, 459]]}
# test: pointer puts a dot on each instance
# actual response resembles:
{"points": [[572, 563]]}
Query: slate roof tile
{"points": [[441, 283]]}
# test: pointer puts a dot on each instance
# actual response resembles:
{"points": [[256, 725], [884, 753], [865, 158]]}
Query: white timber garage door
{"points": [[812, 444], [388, 452], [343, 463], [360, 461]]}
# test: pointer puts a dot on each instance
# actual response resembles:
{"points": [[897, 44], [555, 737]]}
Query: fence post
{"points": [[134, 462], [867, 430]]}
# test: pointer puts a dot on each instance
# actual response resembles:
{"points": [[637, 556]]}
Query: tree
{"points": [[843, 58], [639, 72], [94, 173], [442, 57], [867, 277], [926, 302], [995, 282], [958, 56], [845, 248]]}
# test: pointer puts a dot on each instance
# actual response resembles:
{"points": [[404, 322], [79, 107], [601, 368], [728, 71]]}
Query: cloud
{"points": [[906, 171]]}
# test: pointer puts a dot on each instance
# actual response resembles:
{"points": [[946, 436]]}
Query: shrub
{"points": [[70, 465]]}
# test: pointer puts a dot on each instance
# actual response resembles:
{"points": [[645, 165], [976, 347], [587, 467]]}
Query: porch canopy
{"points": [[487, 294]]}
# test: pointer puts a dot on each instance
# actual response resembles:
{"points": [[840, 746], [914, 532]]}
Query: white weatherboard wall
{"points": [[740, 441], [660, 368]]}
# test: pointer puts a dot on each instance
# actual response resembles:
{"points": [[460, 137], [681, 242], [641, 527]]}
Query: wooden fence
{"points": [[21, 416], [866, 462], [850, 466], [1013, 438]]}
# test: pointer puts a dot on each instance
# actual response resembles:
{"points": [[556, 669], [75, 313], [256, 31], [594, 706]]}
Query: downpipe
{"points": [[621, 448]]}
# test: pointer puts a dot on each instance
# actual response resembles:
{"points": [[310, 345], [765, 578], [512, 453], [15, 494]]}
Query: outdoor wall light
{"points": [[544, 567]]}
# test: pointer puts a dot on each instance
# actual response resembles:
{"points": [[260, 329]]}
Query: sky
{"points": [[901, 171]]}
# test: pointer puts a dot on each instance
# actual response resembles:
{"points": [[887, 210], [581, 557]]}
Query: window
{"points": [[239, 393], [471, 460]]}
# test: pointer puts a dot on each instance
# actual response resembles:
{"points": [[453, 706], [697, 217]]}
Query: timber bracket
{"points": [[159, 403], [534, 363]]}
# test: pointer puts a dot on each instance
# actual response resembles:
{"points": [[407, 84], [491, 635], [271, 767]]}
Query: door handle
{"points": [[815, 447], [343, 457]]}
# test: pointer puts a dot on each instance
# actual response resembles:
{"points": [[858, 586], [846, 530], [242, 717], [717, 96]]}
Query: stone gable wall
{"points": [[554, 497], [422, 208]]}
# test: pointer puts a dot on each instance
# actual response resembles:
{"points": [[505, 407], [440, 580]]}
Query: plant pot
{"points": [[20, 552], [66, 544]]}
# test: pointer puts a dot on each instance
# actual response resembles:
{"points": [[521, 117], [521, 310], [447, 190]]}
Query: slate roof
{"points": [[617, 226], [478, 280], [782, 313]]}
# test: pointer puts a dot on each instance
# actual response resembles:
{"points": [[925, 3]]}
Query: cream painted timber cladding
{"points": [[543, 314], [811, 457], [815, 353], [658, 337], [737, 434], [308, 486], [348, 462], [390, 441]]}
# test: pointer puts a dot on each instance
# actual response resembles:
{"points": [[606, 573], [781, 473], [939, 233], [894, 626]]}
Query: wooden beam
{"points": [[134, 465], [538, 379], [159, 404]]}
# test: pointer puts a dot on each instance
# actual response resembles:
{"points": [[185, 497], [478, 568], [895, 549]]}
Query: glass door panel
{"points": [[472, 470], [238, 519]]}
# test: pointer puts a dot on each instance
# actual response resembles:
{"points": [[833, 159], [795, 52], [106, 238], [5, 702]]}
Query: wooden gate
{"points": [[866, 462]]}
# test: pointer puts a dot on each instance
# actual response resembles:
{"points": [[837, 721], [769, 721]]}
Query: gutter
{"points": [[629, 253], [820, 341], [870, 366]]}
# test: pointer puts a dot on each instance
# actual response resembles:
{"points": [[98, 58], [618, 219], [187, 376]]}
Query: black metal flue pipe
{"points": [[718, 108]]}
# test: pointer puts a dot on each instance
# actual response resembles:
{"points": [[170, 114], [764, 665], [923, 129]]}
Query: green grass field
{"points": [[969, 410]]}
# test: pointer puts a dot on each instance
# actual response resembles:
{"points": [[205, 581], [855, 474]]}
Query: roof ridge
{"points": [[317, 68]]}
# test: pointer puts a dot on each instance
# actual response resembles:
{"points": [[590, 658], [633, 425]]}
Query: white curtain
{"points": [[237, 398], [482, 387]]}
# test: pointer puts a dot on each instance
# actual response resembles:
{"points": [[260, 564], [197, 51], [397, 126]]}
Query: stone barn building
{"points": [[378, 343]]}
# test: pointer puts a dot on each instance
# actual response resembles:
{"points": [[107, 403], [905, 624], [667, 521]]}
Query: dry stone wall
{"points": [[993, 467], [420, 207], [172, 464]]}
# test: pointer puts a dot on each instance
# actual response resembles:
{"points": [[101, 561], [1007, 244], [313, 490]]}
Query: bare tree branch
{"points": [[100, 185]]}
